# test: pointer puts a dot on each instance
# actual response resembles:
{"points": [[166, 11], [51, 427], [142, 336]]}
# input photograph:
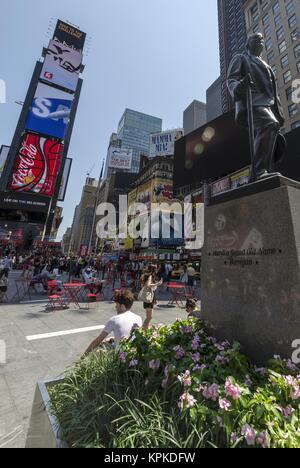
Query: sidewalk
{"points": [[28, 361]]}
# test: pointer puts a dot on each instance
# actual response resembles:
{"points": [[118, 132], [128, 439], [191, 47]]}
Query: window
{"points": [[297, 51], [266, 20], [284, 61], [289, 93], [267, 30], [293, 22], [287, 76], [276, 8], [269, 44], [295, 124], [254, 13], [274, 69], [290, 8], [277, 20], [293, 110], [282, 47], [280, 33], [270, 56]]}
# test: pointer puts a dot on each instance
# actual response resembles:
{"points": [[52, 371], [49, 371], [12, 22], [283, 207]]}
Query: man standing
{"points": [[269, 144], [6, 266]]}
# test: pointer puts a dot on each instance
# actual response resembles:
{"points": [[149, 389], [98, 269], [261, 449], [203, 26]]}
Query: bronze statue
{"points": [[252, 84]]}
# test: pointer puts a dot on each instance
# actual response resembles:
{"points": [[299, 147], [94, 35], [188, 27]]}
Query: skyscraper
{"points": [[134, 131], [194, 116], [279, 22], [232, 37]]}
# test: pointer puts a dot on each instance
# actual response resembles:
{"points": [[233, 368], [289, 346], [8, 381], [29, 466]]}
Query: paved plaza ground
{"points": [[31, 356]]}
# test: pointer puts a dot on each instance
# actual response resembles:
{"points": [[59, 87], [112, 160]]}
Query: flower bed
{"points": [[176, 386]]}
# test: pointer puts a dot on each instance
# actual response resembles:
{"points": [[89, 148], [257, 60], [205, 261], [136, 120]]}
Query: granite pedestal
{"points": [[251, 268]]}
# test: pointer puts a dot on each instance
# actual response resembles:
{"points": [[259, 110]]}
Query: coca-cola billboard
{"points": [[37, 165]]}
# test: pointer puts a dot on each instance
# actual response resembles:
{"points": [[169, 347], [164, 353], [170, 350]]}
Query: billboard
{"points": [[50, 111], [62, 66], [3, 157], [69, 35], [36, 165], [120, 158], [65, 180], [163, 143], [162, 190]]}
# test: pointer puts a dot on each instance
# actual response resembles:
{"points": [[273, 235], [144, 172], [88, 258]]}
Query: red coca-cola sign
{"points": [[37, 165]]}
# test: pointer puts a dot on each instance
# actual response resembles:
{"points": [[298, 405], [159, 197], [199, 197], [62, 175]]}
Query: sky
{"points": [[153, 56]]}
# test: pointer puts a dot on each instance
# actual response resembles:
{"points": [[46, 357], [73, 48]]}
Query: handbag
{"points": [[146, 295]]}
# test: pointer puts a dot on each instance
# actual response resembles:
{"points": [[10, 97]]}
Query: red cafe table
{"points": [[73, 290], [177, 291]]}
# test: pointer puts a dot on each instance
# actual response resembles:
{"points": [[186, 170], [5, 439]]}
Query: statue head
{"points": [[255, 44]]}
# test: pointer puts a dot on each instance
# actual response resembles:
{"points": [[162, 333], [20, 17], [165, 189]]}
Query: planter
{"points": [[44, 429]]}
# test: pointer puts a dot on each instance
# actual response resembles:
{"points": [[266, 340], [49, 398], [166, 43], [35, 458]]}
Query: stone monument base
{"points": [[251, 268]]}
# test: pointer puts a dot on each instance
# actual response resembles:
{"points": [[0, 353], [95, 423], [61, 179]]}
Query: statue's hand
{"points": [[244, 84]]}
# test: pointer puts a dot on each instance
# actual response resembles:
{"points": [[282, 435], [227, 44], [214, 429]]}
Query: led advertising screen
{"points": [[50, 111], [3, 157], [62, 66], [69, 35], [120, 158], [65, 179], [36, 166]]}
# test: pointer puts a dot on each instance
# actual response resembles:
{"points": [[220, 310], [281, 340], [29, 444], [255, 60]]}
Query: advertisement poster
{"points": [[120, 158], [62, 66], [36, 166], [162, 190], [3, 157], [65, 180], [69, 35], [163, 144], [50, 111]]}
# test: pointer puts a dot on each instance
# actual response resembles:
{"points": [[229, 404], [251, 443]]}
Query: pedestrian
{"points": [[149, 285]]}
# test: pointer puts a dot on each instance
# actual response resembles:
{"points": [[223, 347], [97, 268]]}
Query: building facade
{"points": [[194, 116], [214, 100], [232, 38], [134, 131], [279, 22]]}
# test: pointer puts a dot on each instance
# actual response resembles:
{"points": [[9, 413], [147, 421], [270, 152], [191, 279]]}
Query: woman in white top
{"points": [[150, 283]]}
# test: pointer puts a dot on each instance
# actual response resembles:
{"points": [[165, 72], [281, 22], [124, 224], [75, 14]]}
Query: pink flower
{"points": [[234, 438], [211, 393], [167, 370], [154, 335], [123, 357], [291, 366], [248, 381], [186, 330], [286, 412], [263, 440], [200, 368], [249, 433], [295, 388], [224, 404], [260, 370], [133, 363], [185, 379], [196, 357], [154, 364], [195, 344], [186, 401], [219, 347], [221, 359], [232, 390], [179, 352]]}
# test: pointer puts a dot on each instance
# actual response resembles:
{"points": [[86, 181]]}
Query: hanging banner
{"points": [[37, 165], [62, 66]]}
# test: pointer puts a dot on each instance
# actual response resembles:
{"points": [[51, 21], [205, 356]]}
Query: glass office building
{"points": [[134, 132]]}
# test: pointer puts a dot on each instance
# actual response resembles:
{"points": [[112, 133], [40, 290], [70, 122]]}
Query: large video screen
{"points": [[62, 66], [50, 111], [36, 165], [69, 35]]}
